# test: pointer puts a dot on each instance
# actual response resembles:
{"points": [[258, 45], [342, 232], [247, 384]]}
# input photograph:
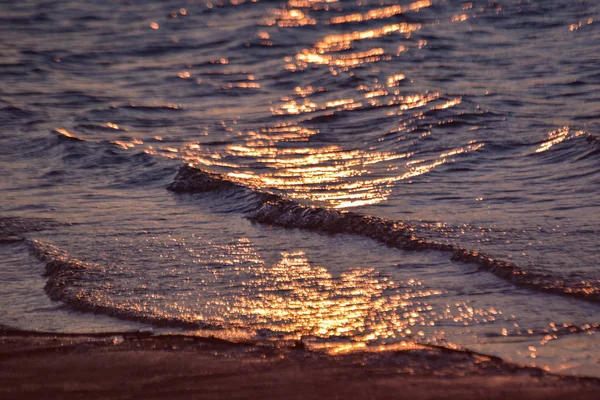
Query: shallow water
{"points": [[471, 124]]}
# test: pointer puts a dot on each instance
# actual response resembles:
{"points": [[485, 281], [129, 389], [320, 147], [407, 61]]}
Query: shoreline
{"points": [[140, 365]]}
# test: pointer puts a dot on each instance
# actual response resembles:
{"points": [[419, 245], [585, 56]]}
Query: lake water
{"points": [[470, 128]]}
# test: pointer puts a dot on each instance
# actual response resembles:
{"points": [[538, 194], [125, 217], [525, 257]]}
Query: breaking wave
{"points": [[274, 209]]}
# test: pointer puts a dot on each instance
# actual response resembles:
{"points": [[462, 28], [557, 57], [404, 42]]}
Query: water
{"points": [[469, 126]]}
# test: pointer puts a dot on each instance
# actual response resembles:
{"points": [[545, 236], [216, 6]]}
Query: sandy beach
{"points": [[127, 366]]}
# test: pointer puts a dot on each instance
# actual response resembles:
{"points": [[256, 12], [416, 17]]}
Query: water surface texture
{"points": [[371, 174]]}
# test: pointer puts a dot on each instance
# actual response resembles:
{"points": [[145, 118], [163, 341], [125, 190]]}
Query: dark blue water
{"points": [[468, 131]]}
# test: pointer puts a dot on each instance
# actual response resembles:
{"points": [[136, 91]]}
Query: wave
{"points": [[65, 277], [65, 157], [68, 278], [12, 227], [274, 209], [583, 144]]}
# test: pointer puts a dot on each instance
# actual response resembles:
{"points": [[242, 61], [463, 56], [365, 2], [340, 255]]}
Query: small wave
{"points": [[276, 210], [12, 227], [73, 156], [65, 134], [584, 144], [190, 180], [65, 278]]}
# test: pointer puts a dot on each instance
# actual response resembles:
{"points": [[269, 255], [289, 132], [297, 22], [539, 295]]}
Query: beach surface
{"points": [[139, 365]]}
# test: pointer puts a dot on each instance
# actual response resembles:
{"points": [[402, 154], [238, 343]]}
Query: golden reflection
{"points": [[288, 18], [420, 167], [346, 60], [66, 133], [362, 347], [340, 178], [127, 145], [557, 136], [308, 3], [381, 13], [304, 301], [293, 107], [376, 93], [340, 42], [416, 100], [330, 175], [394, 80], [242, 85], [448, 104], [283, 132], [459, 18], [408, 102], [307, 90], [223, 61], [296, 297], [112, 126]]}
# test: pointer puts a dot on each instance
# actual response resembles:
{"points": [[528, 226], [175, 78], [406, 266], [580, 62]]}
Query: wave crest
{"points": [[279, 211]]}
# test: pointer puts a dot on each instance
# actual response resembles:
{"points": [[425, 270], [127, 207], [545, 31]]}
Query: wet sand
{"points": [[134, 366]]}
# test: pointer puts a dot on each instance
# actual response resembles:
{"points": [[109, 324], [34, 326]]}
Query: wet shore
{"points": [[141, 365]]}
